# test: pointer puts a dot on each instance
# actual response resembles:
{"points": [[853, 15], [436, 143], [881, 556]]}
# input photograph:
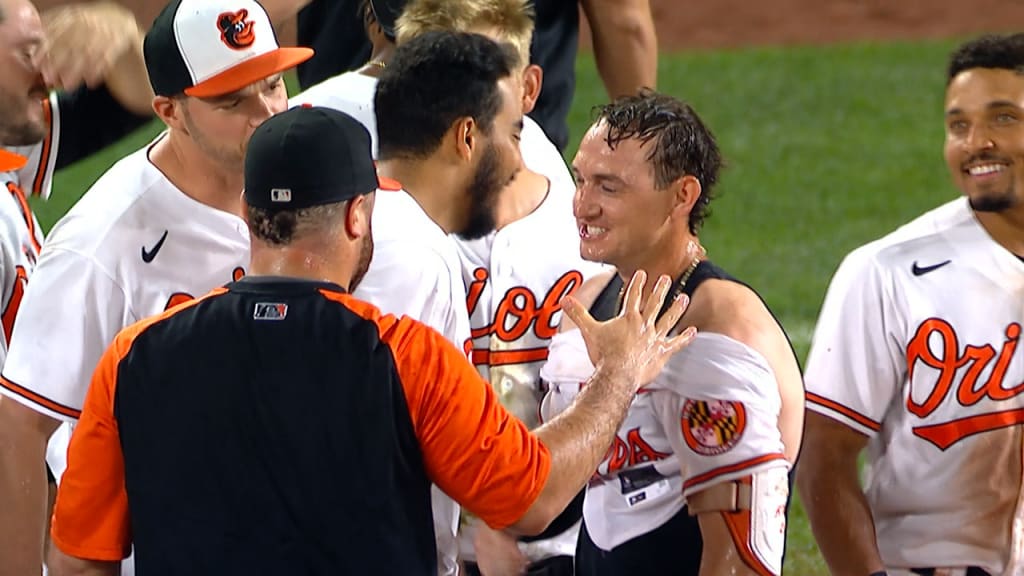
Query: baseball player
{"points": [[161, 226], [516, 276], [448, 121], [915, 357], [713, 436]]}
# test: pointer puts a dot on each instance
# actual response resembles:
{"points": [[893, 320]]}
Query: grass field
{"points": [[827, 148]]}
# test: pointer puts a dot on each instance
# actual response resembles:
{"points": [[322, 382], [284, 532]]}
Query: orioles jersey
{"points": [[133, 246], [77, 124], [416, 272], [711, 417], [916, 347]]}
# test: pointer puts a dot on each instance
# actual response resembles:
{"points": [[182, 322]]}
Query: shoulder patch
{"points": [[712, 427]]}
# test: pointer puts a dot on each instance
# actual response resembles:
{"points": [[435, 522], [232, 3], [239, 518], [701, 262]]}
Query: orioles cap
{"points": [[209, 48], [308, 156], [9, 161]]}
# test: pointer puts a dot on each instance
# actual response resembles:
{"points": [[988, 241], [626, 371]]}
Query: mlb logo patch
{"points": [[280, 194], [270, 311]]}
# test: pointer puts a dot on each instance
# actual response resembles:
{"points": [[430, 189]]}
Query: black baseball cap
{"points": [[386, 12], [308, 156], [208, 48]]}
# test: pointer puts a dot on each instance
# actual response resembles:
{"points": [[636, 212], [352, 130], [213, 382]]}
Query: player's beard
{"points": [[488, 182], [994, 202], [17, 128], [365, 256]]}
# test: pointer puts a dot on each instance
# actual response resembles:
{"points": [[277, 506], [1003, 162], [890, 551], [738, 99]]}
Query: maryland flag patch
{"points": [[712, 427]]}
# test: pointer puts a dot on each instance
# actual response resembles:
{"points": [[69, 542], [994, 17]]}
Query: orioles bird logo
{"points": [[235, 31]]}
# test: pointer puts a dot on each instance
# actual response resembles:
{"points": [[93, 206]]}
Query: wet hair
{"points": [[513, 20], [998, 51], [430, 83], [682, 144]]}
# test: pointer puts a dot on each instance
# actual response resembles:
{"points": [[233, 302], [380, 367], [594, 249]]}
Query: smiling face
{"points": [[621, 215], [984, 147]]}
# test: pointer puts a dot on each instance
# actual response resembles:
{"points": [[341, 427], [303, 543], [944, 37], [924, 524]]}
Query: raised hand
{"points": [[635, 341]]}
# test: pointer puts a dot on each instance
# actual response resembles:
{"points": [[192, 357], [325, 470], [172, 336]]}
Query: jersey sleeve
{"points": [[71, 311], [90, 518], [855, 366], [424, 291], [474, 449], [721, 414]]}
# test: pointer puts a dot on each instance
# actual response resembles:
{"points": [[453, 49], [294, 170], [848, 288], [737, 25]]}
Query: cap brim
{"points": [[249, 72], [10, 161]]}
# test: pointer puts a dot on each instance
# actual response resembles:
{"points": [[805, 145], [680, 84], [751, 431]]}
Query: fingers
{"points": [[677, 343], [579, 315], [671, 317], [654, 302], [634, 292]]}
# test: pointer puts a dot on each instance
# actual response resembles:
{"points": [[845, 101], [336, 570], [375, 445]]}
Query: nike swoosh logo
{"points": [[922, 270], [148, 255]]}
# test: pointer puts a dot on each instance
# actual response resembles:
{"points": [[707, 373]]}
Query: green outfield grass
{"points": [[827, 148]]}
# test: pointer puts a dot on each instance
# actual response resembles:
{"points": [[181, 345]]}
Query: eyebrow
{"points": [[598, 177], [990, 106]]}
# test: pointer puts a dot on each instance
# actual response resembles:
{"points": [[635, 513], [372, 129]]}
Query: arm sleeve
{"points": [[89, 121], [90, 518], [722, 420], [856, 366], [71, 311], [474, 450]]}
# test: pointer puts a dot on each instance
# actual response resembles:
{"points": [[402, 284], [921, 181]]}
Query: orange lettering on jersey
{"points": [[17, 292], [476, 288], [630, 452], [968, 392], [518, 312]]}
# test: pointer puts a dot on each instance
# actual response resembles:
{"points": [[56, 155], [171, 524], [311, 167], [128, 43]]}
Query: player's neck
{"points": [[197, 176], [676, 259], [1006, 228], [298, 261], [521, 197], [379, 59], [434, 185]]}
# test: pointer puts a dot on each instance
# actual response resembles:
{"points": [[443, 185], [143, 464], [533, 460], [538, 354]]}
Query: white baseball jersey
{"points": [[516, 278], [351, 93], [131, 247], [416, 272], [917, 348], [710, 417], [21, 237]]}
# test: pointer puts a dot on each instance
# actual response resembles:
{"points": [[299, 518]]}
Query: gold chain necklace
{"points": [[676, 291], [378, 63]]}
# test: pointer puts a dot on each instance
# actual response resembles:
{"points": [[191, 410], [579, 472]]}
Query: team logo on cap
{"points": [[713, 427], [235, 29]]}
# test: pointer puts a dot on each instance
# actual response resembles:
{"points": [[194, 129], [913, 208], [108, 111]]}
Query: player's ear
{"points": [[358, 214], [533, 81], [686, 190], [170, 111], [464, 136]]}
